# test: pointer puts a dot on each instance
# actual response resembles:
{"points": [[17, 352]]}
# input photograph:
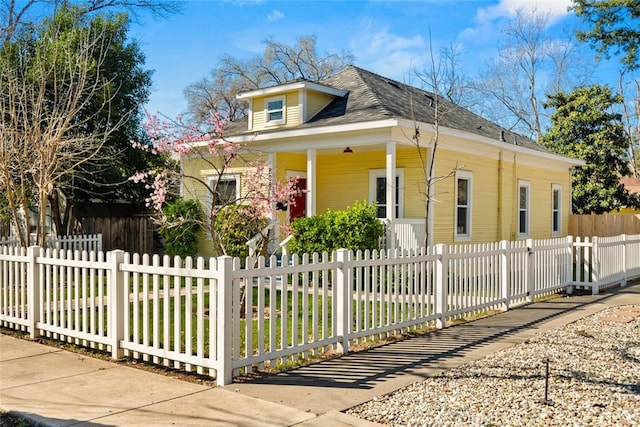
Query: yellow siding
{"points": [[286, 162], [541, 181], [344, 179], [199, 169], [292, 111], [194, 189], [316, 101], [258, 116], [494, 198], [629, 211], [484, 198]]}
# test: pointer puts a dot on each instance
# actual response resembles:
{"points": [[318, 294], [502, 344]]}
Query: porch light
{"points": [[347, 150]]}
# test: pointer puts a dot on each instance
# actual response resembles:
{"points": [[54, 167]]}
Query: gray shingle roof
{"points": [[373, 97]]}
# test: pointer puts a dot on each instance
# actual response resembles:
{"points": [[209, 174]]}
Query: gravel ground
{"points": [[594, 380]]}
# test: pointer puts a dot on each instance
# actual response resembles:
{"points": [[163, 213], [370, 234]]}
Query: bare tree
{"points": [[631, 119], [278, 63], [46, 81], [529, 65], [447, 87], [216, 93], [15, 13]]}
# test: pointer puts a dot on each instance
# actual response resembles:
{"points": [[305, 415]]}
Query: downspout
{"points": [[500, 195], [516, 197]]}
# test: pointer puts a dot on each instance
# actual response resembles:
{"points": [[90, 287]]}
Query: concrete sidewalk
{"points": [[60, 388]]}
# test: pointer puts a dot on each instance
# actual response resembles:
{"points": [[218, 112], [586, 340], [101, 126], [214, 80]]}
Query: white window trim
{"points": [[558, 188], [374, 174], [267, 111], [527, 185], [466, 236], [225, 177]]}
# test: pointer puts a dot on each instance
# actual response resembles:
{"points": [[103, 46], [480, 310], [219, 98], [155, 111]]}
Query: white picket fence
{"points": [[90, 242], [218, 317]]}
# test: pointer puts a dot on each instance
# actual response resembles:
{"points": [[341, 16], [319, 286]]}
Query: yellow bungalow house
{"points": [[350, 135]]}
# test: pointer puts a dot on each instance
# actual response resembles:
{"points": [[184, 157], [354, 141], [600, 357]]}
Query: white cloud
{"points": [[508, 8], [488, 19], [555, 8], [275, 15], [386, 53]]}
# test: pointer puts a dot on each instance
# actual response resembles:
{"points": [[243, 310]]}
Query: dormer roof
{"points": [[292, 86]]}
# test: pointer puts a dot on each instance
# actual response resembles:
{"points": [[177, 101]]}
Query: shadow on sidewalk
{"points": [[26, 419], [364, 369]]}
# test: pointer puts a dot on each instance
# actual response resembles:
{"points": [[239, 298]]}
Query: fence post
{"points": [[116, 303], [623, 282], [528, 271], [224, 323], [569, 267], [343, 290], [595, 267], [442, 283], [505, 268], [34, 302]]}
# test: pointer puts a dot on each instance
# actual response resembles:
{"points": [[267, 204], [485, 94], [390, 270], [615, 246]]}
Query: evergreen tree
{"points": [[586, 126]]}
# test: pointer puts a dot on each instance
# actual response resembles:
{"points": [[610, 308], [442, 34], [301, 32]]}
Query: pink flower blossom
{"points": [[260, 189]]}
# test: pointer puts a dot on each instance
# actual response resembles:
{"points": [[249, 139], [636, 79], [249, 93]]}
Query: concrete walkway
{"points": [[60, 388]]}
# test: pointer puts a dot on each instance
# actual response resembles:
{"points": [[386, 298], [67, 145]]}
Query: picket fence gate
{"points": [[224, 317]]}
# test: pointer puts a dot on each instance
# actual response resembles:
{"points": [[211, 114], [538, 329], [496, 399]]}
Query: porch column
{"points": [[391, 190], [271, 161], [273, 218], [311, 182]]}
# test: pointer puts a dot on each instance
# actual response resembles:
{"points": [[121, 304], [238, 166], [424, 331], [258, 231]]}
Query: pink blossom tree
{"points": [[206, 144]]}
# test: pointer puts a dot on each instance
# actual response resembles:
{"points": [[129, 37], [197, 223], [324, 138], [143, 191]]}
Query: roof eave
{"points": [[289, 87], [500, 145]]}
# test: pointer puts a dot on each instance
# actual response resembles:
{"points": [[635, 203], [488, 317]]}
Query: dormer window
{"points": [[275, 110]]}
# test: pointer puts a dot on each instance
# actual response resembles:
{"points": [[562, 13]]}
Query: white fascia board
{"points": [[289, 87], [493, 143], [308, 132]]}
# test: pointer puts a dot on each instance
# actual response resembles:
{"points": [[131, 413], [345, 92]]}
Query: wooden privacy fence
{"points": [[130, 234], [604, 225], [217, 317]]}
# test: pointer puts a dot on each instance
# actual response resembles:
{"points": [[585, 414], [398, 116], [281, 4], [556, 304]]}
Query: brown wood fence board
{"points": [[604, 225], [130, 234]]}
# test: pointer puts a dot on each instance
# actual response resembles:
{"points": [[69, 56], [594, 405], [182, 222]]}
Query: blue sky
{"points": [[387, 37]]}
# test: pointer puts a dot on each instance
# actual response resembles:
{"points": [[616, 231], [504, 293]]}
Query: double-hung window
{"points": [[464, 192], [524, 188], [378, 191], [226, 188], [556, 209], [275, 111]]}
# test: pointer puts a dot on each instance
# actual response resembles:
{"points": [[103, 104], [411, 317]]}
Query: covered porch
{"points": [[335, 174]]}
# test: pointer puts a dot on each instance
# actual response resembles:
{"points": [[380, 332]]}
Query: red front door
{"points": [[298, 208]]}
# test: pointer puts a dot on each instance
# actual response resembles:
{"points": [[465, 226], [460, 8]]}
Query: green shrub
{"points": [[356, 227], [184, 220], [233, 226]]}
